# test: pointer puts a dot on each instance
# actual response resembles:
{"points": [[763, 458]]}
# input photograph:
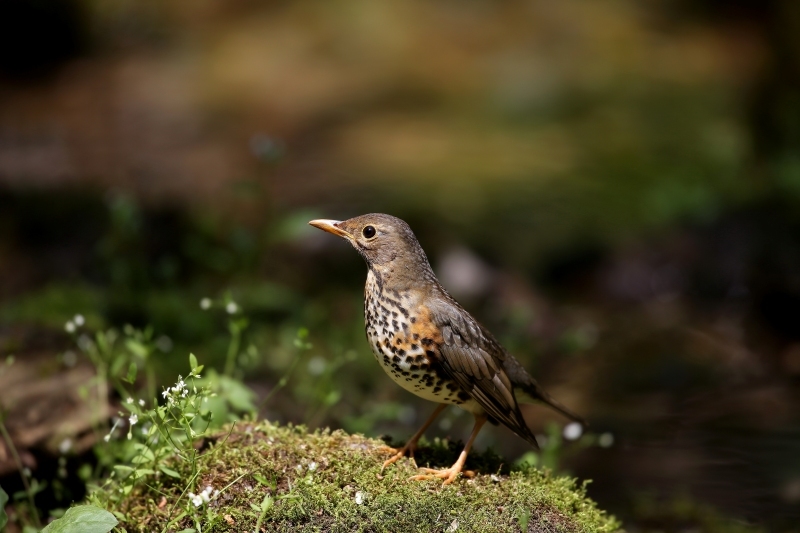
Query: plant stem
{"points": [[20, 466], [233, 348]]}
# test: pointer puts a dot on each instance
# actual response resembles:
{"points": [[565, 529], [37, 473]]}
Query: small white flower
{"points": [[359, 498], [129, 400], [231, 308], [205, 304], [78, 320], [299, 468], [141, 402], [165, 393], [85, 342], [69, 327], [316, 365], [134, 418], [70, 358], [453, 526], [65, 445], [573, 431], [197, 500], [312, 466], [606, 440], [107, 437]]}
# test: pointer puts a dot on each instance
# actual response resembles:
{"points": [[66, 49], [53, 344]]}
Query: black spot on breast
{"points": [[416, 336], [463, 396], [413, 319], [430, 353], [415, 376], [414, 347], [394, 314], [399, 340], [427, 342], [436, 389], [396, 359], [414, 367], [406, 373], [401, 352]]}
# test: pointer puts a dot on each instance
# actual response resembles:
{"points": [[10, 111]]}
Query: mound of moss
{"points": [[287, 479]]}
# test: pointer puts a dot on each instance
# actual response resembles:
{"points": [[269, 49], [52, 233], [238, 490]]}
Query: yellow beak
{"points": [[331, 226]]}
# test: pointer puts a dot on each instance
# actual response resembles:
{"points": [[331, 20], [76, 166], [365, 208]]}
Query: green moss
{"points": [[330, 481]]}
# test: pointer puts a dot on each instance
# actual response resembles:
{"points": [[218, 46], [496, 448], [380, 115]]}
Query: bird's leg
{"points": [[450, 474], [411, 445]]}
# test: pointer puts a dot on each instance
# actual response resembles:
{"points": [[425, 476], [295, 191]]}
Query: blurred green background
{"points": [[613, 188]]}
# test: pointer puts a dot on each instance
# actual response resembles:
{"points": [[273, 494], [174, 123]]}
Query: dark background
{"points": [[612, 187]]}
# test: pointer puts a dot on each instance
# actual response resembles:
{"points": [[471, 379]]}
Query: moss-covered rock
{"points": [[287, 479]]}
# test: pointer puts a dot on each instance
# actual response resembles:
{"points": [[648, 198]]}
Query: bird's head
{"points": [[387, 243]]}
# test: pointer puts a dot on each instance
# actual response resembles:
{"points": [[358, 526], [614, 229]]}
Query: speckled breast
{"points": [[403, 345]]}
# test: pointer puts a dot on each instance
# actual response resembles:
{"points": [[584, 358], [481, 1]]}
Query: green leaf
{"points": [[333, 397], [261, 479], [239, 396], [144, 451], [83, 519], [170, 472], [3, 515], [192, 361], [266, 503], [132, 370], [137, 348]]}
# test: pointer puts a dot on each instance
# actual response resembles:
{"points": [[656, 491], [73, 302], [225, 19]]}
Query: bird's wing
{"points": [[474, 360]]}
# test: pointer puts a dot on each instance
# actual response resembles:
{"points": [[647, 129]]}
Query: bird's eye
{"points": [[368, 232]]}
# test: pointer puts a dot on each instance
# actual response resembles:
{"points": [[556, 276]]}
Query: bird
{"points": [[429, 344]]}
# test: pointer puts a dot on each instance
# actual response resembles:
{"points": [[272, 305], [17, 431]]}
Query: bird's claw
{"points": [[398, 454], [448, 474]]}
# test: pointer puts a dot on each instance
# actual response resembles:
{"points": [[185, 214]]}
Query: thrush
{"points": [[430, 345]]}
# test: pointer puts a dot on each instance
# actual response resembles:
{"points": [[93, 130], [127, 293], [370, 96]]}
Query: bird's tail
{"points": [[532, 393]]}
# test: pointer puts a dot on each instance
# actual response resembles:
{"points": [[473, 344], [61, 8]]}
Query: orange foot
{"points": [[399, 454], [448, 474]]}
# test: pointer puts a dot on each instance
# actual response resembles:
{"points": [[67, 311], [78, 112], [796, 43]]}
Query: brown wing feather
{"points": [[475, 363]]}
